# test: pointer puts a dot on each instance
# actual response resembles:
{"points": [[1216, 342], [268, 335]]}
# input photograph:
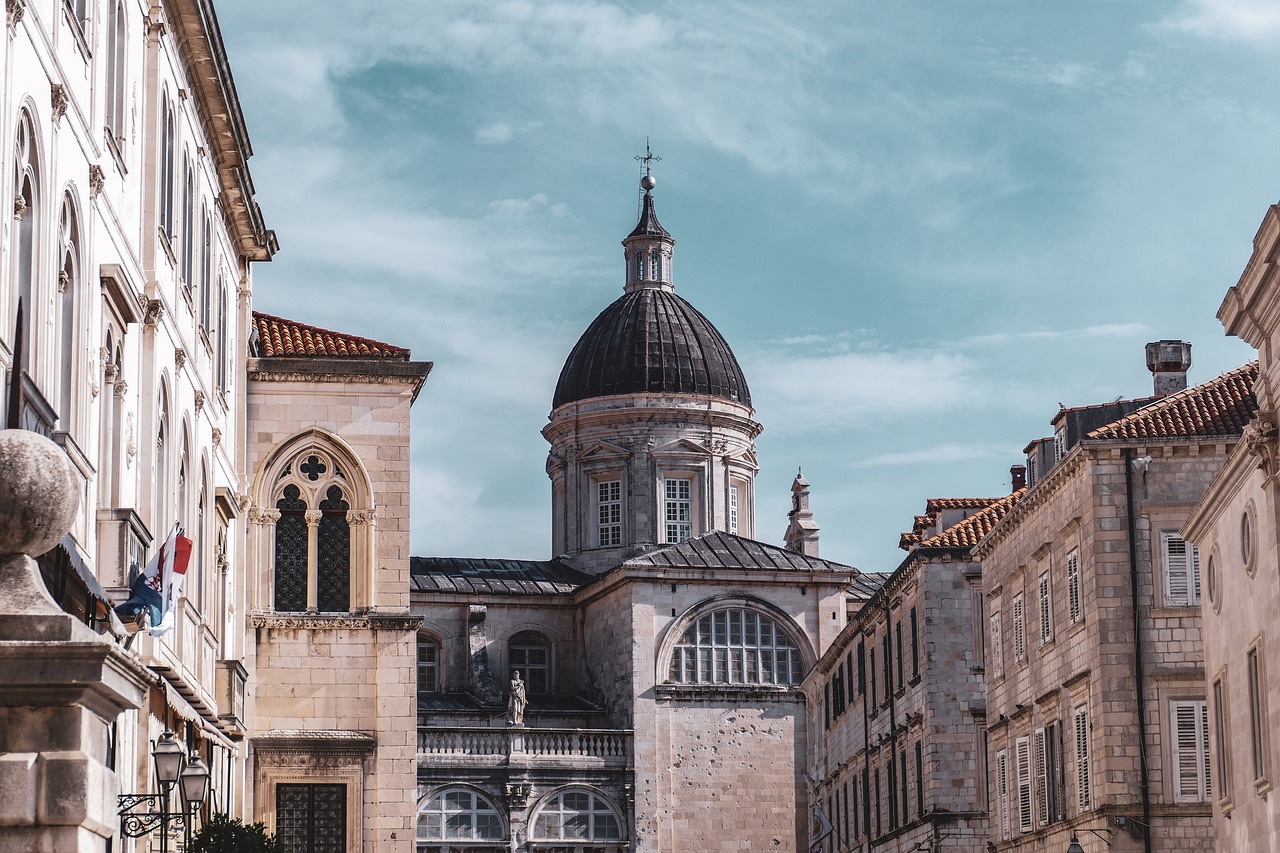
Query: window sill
{"points": [[117, 151], [77, 31], [915, 679], [704, 692], [1262, 787]]}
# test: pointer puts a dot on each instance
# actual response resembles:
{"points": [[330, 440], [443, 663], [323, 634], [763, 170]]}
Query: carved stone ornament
{"points": [[313, 516], [64, 281], [97, 180], [58, 100], [1260, 438], [335, 622], [199, 401], [217, 436], [15, 9], [130, 443], [19, 206], [361, 516], [119, 387], [258, 515], [242, 503], [152, 311], [179, 359], [518, 794]]}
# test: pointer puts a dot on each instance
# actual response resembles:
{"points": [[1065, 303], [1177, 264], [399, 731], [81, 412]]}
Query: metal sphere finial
{"points": [[648, 182]]}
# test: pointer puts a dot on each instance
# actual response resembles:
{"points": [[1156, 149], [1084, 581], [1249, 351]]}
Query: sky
{"points": [[921, 226]]}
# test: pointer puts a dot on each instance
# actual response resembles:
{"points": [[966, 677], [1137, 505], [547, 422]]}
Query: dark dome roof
{"points": [[651, 340]]}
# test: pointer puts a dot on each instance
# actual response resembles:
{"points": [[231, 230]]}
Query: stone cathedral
{"points": [[659, 655]]}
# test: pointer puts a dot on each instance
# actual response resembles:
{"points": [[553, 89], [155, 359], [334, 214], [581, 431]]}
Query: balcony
{"points": [[531, 748]]}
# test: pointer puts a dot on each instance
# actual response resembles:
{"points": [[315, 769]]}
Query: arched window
{"points": [[223, 336], [26, 211], [116, 73], [429, 681], [455, 816], [578, 815], [735, 645], [197, 573], [188, 224], [531, 655], [206, 270], [334, 555], [168, 131], [68, 347], [291, 551], [160, 484]]}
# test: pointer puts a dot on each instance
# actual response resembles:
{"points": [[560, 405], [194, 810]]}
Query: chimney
{"points": [[1018, 473], [1169, 362]]}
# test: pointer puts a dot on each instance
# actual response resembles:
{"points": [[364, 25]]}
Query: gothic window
{"points": [[456, 815], [168, 132], [334, 553], [531, 655], [197, 572], [206, 270], [116, 73], [223, 340], [312, 818], [68, 347], [428, 666], [575, 816], [291, 551], [188, 225], [160, 484], [735, 646], [27, 215]]}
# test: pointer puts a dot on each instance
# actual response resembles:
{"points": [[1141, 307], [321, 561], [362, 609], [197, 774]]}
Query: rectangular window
{"points": [[1060, 443], [312, 817], [1084, 789], [1041, 777], [1181, 571], [428, 667], [609, 508], [1022, 764], [897, 629], [1002, 791], [1221, 739], [1190, 751], [1046, 611], [902, 776], [1074, 609], [826, 706], [849, 677], [1257, 714], [891, 790], [876, 773], [845, 811], [1019, 629], [872, 670], [888, 667], [920, 779], [862, 669], [679, 509], [915, 644], [997, 648], [1048, 767], [733, 509], [979, 638]]}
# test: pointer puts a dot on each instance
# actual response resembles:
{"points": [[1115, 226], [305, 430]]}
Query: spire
{"points": [[649, 247], [802, 530]]}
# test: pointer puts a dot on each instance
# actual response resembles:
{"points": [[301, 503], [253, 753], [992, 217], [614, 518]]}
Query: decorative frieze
{"points": [[335, 622]]}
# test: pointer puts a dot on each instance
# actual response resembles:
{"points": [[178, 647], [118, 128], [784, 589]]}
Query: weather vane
{"points": [[647, 182]]}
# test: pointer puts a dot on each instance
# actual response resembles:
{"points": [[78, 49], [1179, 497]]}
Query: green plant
{"points": [[222, 834]]}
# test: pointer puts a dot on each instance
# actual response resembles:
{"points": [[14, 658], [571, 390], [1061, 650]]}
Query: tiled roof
{"points": [[867, 584], [494, 577], [966, 533], [1219, 407], [278, 337], [719, 550], [934, 506]]}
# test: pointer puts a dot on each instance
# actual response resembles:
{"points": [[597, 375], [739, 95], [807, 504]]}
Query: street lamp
{"points": [[1074, 846], [140, 814]]}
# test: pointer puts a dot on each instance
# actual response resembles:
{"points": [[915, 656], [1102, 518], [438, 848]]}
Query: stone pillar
{"points": [[61, 684]]}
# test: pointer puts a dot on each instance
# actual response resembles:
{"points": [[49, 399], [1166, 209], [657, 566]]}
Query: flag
{"points": [[819, 827], [157, 589]]}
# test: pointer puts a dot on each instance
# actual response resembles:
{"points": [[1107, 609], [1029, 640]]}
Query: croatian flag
{"points": [[157, 589]]}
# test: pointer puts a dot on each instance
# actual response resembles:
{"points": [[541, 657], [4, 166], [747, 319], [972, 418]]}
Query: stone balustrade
{"points": [[526, 747]]}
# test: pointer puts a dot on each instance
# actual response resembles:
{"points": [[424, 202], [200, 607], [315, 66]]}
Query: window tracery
{"points": [[735, 645]]}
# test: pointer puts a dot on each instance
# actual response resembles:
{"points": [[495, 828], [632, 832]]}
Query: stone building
{"points": [[1096, 709], [661, 652], [1235, 527], [897, 717]]}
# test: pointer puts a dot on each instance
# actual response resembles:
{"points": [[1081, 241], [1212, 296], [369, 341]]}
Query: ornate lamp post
{"points": [[140, 814]]}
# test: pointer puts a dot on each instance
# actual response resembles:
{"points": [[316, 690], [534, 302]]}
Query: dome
{"points": [[651, 341]]}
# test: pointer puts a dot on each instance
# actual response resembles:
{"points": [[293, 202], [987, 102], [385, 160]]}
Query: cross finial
{"points": [[648, 158]]}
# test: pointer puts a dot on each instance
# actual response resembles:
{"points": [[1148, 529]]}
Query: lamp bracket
{"points": [[141, 814]]}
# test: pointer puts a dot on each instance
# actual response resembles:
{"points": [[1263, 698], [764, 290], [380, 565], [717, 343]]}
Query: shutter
{"points": [[1073, 585], [1022, 758], [1195, 574], [1002, 791], [1204, 735], [1019, 630], [1083, 788], [1042, 779], [1189, 752], [1177, 571], [1046, 620], [997, 649]]}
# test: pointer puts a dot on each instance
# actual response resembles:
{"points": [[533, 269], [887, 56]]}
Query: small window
{"points": [[1181, 571], [1060, 443], [531, 655], [428, 666], [1246, 543], [733, 509], [735, 646], [678, 509], [609, 508]]}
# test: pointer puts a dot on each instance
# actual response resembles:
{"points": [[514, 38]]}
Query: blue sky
{"points": [[921, 226]]}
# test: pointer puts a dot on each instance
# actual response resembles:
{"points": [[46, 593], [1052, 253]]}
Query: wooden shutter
{"points": [[1073, 586], [1002, 791], [1022, 760], [1046, 611], [1190, 751], [1084, 792], [997, 648], [1042, 778], [1181, 571]]}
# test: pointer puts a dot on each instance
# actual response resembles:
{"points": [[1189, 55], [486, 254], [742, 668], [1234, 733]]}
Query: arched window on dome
{"points": [[735, 645], [456, 820], [575, 819]]}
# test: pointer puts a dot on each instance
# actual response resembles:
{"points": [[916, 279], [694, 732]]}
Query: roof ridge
{"points": [[967, 531], [1192, 411], [323, 342]]}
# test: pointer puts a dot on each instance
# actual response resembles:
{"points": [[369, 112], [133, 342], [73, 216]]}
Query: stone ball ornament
{"points": [[38, 494]]}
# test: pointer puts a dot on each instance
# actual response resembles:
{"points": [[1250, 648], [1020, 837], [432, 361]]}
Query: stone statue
{"points": [[517, 699]]}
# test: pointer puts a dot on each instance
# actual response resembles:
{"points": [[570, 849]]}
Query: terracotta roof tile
{"points": [[933, 507], [278, 337], [1219, 407], [966, 533]]}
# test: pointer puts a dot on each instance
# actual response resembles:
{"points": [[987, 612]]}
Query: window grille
{"points": [[291, 552], [312, 817], [735, 646], [334, 554]]}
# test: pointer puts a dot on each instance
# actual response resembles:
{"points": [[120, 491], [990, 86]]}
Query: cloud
{"points": [[929, 455], [1103, 330], [1251, 21], [492, 134]]}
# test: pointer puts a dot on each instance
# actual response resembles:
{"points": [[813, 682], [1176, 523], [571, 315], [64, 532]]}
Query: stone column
{"points": [[61, 684], [313, 517]]}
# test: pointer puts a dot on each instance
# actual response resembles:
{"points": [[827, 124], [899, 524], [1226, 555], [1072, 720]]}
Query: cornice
{"points": [[1038, 494], [625, 409], [335, 622]]}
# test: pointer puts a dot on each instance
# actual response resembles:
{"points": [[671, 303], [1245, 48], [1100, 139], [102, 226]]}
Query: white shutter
{"points": [[1181, 571], [1073, 586], [997, 647], [1019, 629], [1190, 752], [1042, 779], [1002, 791], [1083, 787], [1022, 758]]}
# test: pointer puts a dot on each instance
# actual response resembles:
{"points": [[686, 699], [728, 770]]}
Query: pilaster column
{"points": [[264, 521], [364, 573], [313, 517]]}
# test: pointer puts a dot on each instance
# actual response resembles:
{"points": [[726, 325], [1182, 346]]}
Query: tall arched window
{"points": [[334, 552], [184, 484], [69, 347], [735, 645], [168, 131], [223, 336], [578, 815], [188, 224], [206, 270], [160, 483], [291, 551], [197, 574], [530, 653], [454, 816], [26, 211], [116, 73]]}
